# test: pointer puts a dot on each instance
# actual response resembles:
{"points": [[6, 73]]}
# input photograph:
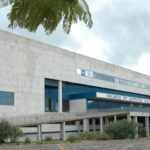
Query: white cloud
{"points": [[143, 65], [91, 45], [96, 5]]}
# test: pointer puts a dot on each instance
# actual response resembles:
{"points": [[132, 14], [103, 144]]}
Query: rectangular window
{"points": [[116, 80], [6, 98], [83, 72], [70, 123], [99, 76], [87, 73], [105, 77], [126, 82], [131, 83], [95, 75], [143, 86], [91, 74], [79, 71]]}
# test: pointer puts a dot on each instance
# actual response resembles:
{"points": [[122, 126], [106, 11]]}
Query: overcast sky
{"points": [[120, 33]]}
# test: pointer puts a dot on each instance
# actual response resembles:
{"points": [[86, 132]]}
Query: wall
{"points": [[25, 63], [78, 105], [52, 130]]}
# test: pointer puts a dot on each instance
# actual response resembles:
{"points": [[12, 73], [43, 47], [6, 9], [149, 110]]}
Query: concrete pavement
{"points": [[142, 144]]}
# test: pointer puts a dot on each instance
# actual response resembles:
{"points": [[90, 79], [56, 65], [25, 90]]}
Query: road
{"points": [[143, 144]]}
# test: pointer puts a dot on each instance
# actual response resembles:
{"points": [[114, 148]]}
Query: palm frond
{"points": [[30, 14]]}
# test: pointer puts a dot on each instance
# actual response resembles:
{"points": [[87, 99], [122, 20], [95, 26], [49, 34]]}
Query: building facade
{"points": [[37, 78]]}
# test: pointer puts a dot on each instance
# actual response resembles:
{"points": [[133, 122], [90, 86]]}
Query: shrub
{"points": [[9, 131], [27, 140], [94, 136], [38, 142], [18, 143], [15, 133], [141, 130], [88, 136], [48, 138], [103, 137], [72, 138], [122, 129], [5, 130]]}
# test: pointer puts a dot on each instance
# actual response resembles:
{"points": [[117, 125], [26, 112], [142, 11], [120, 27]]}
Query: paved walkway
{"points": [[143, 144], [110, 145], [31, 147]]}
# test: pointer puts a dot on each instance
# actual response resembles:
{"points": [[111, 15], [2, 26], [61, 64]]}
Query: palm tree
{"points": [[30, 14]]}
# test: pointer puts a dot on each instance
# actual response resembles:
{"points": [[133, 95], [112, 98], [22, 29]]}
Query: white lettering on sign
{"points": [[122, 98]]}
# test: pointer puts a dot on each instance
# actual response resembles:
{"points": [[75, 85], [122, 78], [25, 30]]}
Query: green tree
{"points": [[5, 130], [9, 131], [122, 129], [15, 133], [29, 14]]}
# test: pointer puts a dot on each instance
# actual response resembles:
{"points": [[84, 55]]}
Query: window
{"points": [[79, 71], [109, 78], [116, 80], [82, 72], [6, 98], [71, 123]]}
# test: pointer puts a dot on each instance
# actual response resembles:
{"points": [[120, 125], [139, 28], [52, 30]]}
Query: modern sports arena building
{"points": [[37, 78]]}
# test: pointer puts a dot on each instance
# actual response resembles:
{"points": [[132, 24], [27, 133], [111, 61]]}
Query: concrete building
{"points": [[37, 78]]}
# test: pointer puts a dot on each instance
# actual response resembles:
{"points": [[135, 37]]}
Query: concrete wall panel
{"points": [[24, 64]]}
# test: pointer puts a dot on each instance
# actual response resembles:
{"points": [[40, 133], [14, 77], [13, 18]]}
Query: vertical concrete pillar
{"points": [[39, 132], [128, 117], [147, 125], [115, 118], [101, 124], [59, 96], [85, 125], [78, 125], [62, 131], [94, 125], [135, 120]]}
